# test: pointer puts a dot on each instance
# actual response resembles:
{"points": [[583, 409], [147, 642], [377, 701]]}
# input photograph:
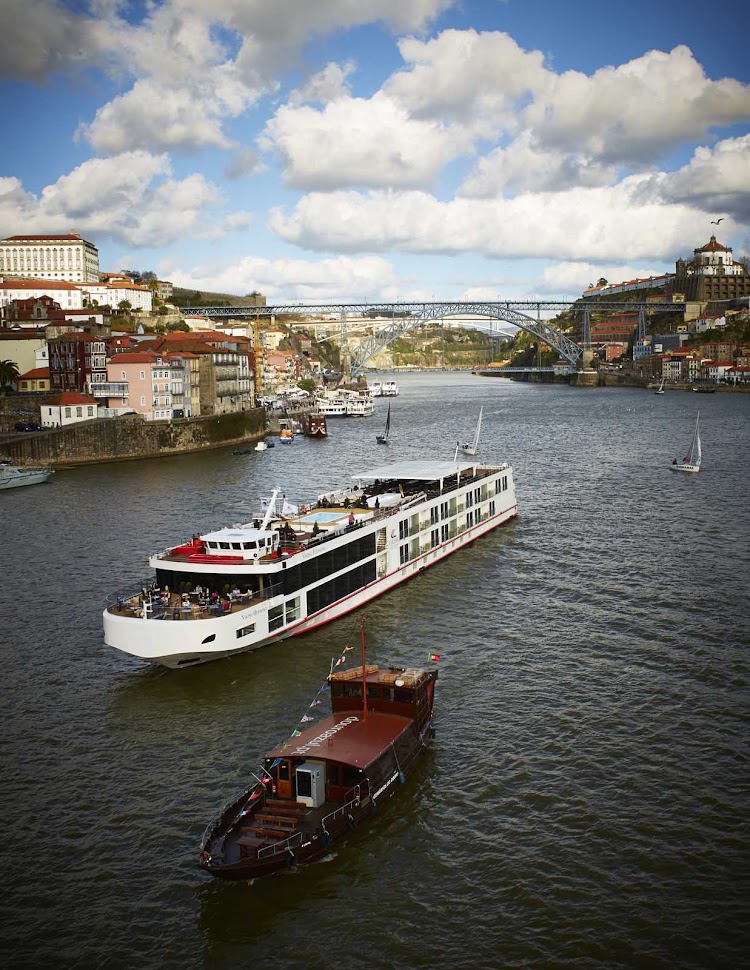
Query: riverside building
{"points": [[65, 257]]}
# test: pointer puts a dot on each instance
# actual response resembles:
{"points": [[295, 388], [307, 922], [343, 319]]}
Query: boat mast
{"points": [[364, 670], [271, 509]]}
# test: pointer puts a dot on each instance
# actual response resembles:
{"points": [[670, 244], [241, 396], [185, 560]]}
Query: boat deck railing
{"points": [[353, 799], [268, 851], [134, 605]]}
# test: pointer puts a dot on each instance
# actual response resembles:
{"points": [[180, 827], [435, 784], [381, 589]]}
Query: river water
{"points": [[585, 803]]}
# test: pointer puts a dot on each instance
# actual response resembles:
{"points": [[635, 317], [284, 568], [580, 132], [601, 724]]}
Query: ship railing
{"points": [[353, 799], [231, 813], [277, 848]]}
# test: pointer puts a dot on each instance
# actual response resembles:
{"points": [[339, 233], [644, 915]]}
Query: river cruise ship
{"points": [[296, 568]]}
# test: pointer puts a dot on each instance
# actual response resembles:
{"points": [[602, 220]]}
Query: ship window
{"points": [[276, 617], [434, 515], [403, 529], [434, 538], [403, 553], [245, 631], [284, 771], [209, 639], [224, 545], [402, 696], [292, 610], [469, 499], [492, 508]]}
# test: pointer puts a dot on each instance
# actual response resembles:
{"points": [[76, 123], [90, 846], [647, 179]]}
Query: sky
{"points": [[378, 150]]}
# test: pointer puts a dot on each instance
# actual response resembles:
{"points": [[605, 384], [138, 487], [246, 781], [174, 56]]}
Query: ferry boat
{"points": [[314, 424], [345, 403], [289, 571], [313, 790], [11, 476], [389, 389]]}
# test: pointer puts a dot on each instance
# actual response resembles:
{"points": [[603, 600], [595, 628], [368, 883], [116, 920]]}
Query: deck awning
{"points": [[416, 471], [345, 738]]}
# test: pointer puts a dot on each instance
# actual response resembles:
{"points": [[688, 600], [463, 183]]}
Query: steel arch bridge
{"points": [[406, 317]]}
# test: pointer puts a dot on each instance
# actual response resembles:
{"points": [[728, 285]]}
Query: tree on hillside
{"points": [[124, 305]]}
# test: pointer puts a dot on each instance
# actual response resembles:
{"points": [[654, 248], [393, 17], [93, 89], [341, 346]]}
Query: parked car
{"points": [[28, 426]]}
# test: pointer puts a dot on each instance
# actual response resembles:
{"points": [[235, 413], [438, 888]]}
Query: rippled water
{"points": [[585, 802]]}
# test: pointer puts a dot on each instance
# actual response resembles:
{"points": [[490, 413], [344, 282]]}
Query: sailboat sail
{"points": [[471, 448], [692, 461], [382, 439]]}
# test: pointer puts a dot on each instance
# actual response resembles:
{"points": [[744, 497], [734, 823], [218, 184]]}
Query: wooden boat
{"points": [[692, 461], [315, 425], [382, 439], [318, 786], [470, 448]]}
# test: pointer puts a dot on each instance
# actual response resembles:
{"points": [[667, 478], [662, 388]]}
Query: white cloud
{"points": [[595, 224], [716, 180], [356, 142], [575, 277], [636, 112], [130, 198], [327, 280], [524, 165], [330, 84], [40, 38], [464, 76]]}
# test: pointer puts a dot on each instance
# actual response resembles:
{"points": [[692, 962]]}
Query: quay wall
{"points": [[129, 437]]}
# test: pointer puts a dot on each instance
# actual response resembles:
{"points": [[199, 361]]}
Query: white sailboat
{"points": [[471, 447], [660, 388], [382, 439], [692, 461]]}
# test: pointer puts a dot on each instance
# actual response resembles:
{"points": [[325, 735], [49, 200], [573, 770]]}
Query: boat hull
{"points": [[686, 468], [26, 478]]}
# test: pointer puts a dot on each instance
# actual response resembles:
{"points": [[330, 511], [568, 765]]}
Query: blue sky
{"points": [[378, 149]]}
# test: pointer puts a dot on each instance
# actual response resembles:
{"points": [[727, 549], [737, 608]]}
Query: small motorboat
{"points": [[12, 476], [286, 436], [261, 446]]}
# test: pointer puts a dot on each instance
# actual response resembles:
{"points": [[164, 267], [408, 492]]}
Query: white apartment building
{"points": [[112, 294], [55, 257], [67, 295]]}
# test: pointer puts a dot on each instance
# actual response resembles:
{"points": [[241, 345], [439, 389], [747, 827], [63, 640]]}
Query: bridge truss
{"points": [[406, 317]]}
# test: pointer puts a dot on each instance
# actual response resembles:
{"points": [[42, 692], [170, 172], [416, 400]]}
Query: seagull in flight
{"points": [[717, 221]]}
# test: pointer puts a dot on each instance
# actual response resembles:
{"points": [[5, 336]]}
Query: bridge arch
{"points": [[418, 314]]}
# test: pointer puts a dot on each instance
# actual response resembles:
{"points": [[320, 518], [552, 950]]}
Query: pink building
{"points": [[143, 384]]}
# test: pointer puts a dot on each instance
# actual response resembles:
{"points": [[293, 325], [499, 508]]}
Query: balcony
{"points": [[109, 389]]}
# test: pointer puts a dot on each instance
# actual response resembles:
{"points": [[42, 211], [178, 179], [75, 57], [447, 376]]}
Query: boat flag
{"points": [[288, 508], [306, 718], [434, 657]]}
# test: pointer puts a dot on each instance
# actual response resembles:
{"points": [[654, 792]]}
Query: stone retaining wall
{"points": [[129, 436]]}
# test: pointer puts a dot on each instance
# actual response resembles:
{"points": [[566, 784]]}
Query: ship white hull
{"points": [[183, 643]]}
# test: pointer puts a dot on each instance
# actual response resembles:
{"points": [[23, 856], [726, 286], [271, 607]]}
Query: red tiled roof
{"points": [[73, 397], [713, 247], [66, 235], [32, 284], [136, 357], [36, 374]]}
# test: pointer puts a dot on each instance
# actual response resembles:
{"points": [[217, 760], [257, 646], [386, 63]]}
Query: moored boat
{"points": [[11, 476], [314, 789], [296, 567]]}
